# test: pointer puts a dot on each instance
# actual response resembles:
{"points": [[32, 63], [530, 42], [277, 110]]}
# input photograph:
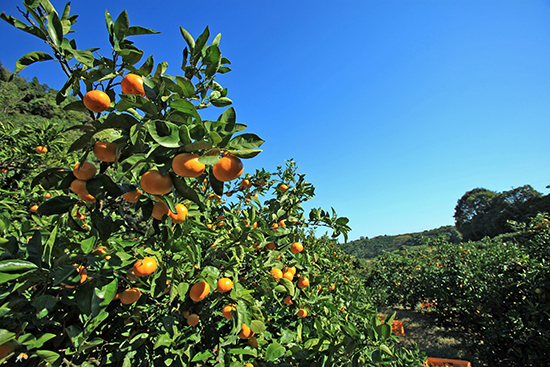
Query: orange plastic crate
{"points": [[440, 362]]}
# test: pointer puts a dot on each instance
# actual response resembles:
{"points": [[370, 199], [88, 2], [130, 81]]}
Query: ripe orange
{"points": [[288, 275], [155, 183], [105, 152], [84, 173], [47, 195], [245, 332], [187, 165], [283, 187], [41, 150], [160, 209], [79, 187], [227, 311], [245, 184], [253, 342], [97, 101], [99, 251], [87, 198], [224, 285], [276, 273], [288, 300], [291, 270], [302, 312], [129, 295], [228, 168], [181, 214], [132, 84], [132, 196], [145, 267], [303, 282], [34, 208], [271, 246], [193, 319], [249, 365], [296, 247], [199, 291]]}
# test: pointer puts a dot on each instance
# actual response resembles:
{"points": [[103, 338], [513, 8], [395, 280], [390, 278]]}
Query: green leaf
{"points": [[56, 205], [48, 246], [76, 106], [186, 191], [187, 87], [245, 141], [245, 153], [122, 25], [224, 69], [163, 340], [48, 356], [43, 304], [18, 266], [165, 133], [257, 326], [35, 31], [137, 30], [386, 350], [84, 56], [212, 59], [221, 102], [188, 38], [110, 27], [147, 66], [274, 351], [6, 336], [202, 356], [81, 142], [289, 287], [200, 44], [29, 59], [55, 29]]}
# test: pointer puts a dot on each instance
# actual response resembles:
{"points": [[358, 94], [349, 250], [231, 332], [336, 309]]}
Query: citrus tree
{"points": [[155, 247]]}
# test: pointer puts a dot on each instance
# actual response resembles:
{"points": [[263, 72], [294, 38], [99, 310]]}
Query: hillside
{"points": [[369, 248]]}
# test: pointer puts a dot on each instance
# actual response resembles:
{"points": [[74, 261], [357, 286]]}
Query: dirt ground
{"points": [[433, 340]]}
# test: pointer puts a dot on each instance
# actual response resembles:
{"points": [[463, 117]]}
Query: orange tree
{"points": [[138, 259]]}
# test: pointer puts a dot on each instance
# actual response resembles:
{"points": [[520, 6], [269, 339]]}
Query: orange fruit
{"points": [[271, 246], [145, 267], [160, 209], [96, 101], [224, 285], [79, 187], [41, 150], [288, 300], [228, 168], [84, 173], [132, 196], [288, 275], [181, 214], [185, 314], [105, 152], [253, 342], [302, 312], [129, 296], [5, 350], [249, 365], [47, 195], [303, 282], [283, 187], [296, 247], [155, 183], [193, 319], [245, 184], [227, 311], [132, 84], [199, 291], [187, 165], [291, 270], [34, 208], [99, 251], [87, 198], [276, 273], [245, 332]]}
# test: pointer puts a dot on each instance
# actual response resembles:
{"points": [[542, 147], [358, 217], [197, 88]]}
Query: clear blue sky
{"points": [[392, 109]]}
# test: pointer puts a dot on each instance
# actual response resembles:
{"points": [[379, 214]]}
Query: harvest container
{"points": [[440, 362]]}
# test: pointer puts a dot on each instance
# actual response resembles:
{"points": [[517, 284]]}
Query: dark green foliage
{"points": [[481, 212], [373, 247]]}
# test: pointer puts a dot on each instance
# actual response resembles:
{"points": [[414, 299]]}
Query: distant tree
{"points": [[481, 212]]}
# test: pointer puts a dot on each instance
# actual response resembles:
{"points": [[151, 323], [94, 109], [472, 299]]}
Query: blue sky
{"points": [[392, 109]]}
